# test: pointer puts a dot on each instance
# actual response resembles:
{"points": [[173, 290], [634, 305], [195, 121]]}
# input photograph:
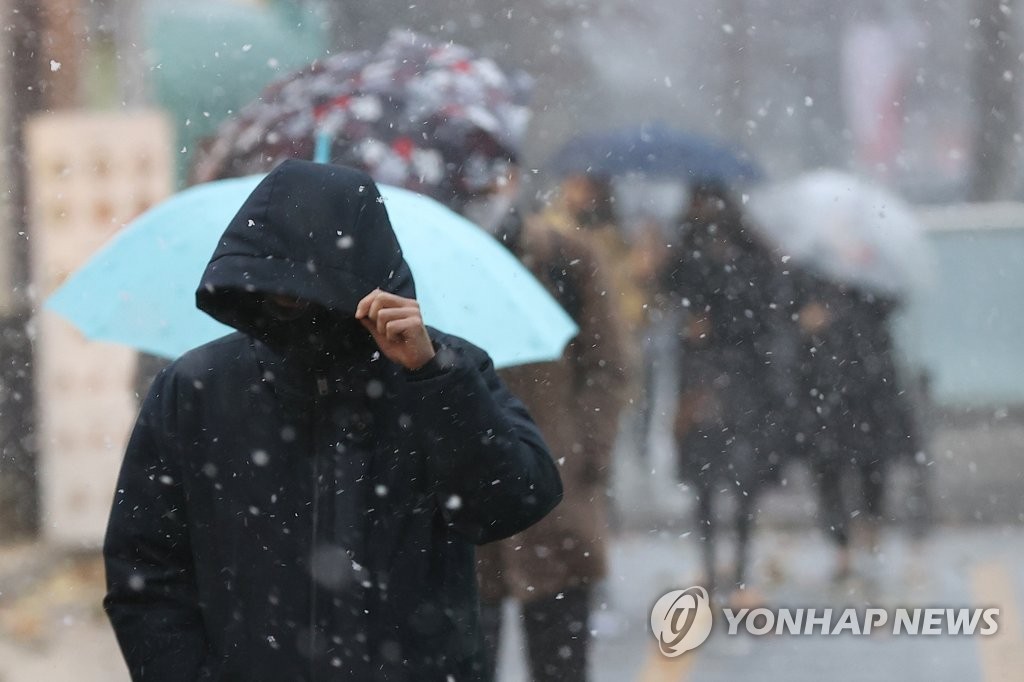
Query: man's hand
{"points": [[397, 327]]}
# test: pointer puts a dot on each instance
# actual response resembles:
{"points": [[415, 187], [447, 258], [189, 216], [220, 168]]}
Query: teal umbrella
{"points": [[139, 289], [208, 58]]}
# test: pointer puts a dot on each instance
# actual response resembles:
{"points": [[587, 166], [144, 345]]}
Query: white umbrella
{"points": [[846, 229]]}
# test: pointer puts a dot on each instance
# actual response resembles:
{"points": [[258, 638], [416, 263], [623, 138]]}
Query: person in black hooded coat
{"points": [[294, 503]]}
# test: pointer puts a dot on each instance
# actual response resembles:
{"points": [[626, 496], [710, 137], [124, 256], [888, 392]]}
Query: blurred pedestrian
{"points": [[300, 499], [728, 427], [856, 418], [552, 568], [584, 206], [656, 334]]}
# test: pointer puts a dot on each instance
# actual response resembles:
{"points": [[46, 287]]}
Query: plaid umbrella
{"points": [[431, 117]]}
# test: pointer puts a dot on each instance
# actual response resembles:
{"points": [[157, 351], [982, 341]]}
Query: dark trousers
{"points": [[557, 636], [834, 509]]}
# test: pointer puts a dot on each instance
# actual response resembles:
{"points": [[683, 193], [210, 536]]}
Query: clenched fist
{"points": [[397, 327]]}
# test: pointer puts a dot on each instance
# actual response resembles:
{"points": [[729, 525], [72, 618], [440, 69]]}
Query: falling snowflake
{"points": [[374, 389]]}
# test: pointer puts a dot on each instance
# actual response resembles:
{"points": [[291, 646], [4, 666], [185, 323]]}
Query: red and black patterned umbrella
{"points": [[432, 117]]}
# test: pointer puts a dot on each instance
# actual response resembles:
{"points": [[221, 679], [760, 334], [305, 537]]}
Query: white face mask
{"points": [[489, 212]]}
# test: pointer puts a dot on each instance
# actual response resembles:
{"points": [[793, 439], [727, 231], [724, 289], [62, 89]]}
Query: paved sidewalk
{"points": [[55, 629], [972, 566], [52, 626]]}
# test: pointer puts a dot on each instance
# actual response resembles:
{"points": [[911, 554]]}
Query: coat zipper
{"points": [[321, 385]]}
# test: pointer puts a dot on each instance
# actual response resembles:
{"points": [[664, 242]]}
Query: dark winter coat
{"points": [[852, 406], [730, 422], [283, 518]]}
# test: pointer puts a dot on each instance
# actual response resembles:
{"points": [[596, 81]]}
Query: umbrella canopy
{"points": [[846, 229], [139, 290], [657, 151], [208, 58], [431, 117]]}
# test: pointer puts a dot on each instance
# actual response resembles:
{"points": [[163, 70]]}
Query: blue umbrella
{"points": [[656, 150], [139, 290]]}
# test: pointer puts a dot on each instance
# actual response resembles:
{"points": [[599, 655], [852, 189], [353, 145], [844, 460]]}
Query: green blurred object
{"points": [[208, 58]]}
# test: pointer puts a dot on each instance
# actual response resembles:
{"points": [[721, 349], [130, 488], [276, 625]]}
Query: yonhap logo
{"points": [[681, 620]]}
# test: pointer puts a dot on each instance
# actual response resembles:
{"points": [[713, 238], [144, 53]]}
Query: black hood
{"points": [[310, 231]]}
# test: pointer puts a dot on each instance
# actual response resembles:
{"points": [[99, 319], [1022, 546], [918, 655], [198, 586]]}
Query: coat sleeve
{"points": [[151, 595], [488, 465], [599, 361]]}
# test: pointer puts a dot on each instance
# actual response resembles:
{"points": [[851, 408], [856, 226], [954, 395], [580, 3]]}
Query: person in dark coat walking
{"points": [[728, 426], [300, 500], [854, 415]]}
